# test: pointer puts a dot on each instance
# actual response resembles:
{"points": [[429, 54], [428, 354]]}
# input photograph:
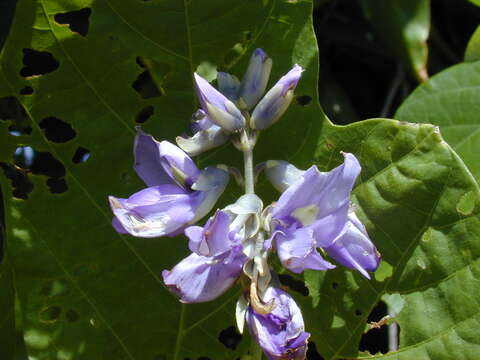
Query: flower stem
{"points": [[248, 164], [247, 142]]}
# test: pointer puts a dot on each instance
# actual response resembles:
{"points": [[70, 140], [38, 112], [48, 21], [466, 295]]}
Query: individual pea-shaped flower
{"points": [[314, 211], [276, 100], [206, 136], [178, 193], [217, 255], [219, 109], [280, 333], [214, 265]]}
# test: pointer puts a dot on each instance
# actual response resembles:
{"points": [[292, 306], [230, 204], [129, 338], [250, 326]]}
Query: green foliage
{"points": [[472, 53], [450, 100], [85, 292], [421, 208], [404, 26]]}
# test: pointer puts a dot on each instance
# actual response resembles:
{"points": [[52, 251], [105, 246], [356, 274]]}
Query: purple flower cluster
{"points": [[313, 211]]}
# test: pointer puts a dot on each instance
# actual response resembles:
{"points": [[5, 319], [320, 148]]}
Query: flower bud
{"points": [[228, 85], [255, 80], [218, 108], [282, 174], [276, 100]]}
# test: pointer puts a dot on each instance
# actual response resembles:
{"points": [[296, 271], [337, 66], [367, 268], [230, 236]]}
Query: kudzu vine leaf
{"points": [[403, 25], [450, 100], [87, 293], [421, 207], [472, 52]]}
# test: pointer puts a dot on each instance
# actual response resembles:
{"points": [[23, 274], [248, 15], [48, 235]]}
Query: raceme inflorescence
{"points": [[313, 211]]}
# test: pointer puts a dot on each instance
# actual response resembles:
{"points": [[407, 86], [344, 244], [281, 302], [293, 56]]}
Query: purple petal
{"points": [[327, 228], [177, 163], [199, 278], [148, 160], [318, 194], [209, 186], [155, 211], [276, 100], [159, 163], [213, 239], [117, 225], [219, 109], [280, 333], [353, 248], [297, 251], [256, 77]]}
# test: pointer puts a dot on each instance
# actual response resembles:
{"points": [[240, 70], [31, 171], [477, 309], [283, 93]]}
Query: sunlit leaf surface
{"points": [[451, 100]]}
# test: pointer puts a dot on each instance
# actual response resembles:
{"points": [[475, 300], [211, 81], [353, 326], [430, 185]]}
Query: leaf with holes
{"points": [[450, 100], [404, 26], [96, 69], [76, 77]]}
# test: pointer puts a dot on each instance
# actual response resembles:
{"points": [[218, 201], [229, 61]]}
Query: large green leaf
{"points": [[404, 26], [87, 293], [420, 206], [450, 100]]}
